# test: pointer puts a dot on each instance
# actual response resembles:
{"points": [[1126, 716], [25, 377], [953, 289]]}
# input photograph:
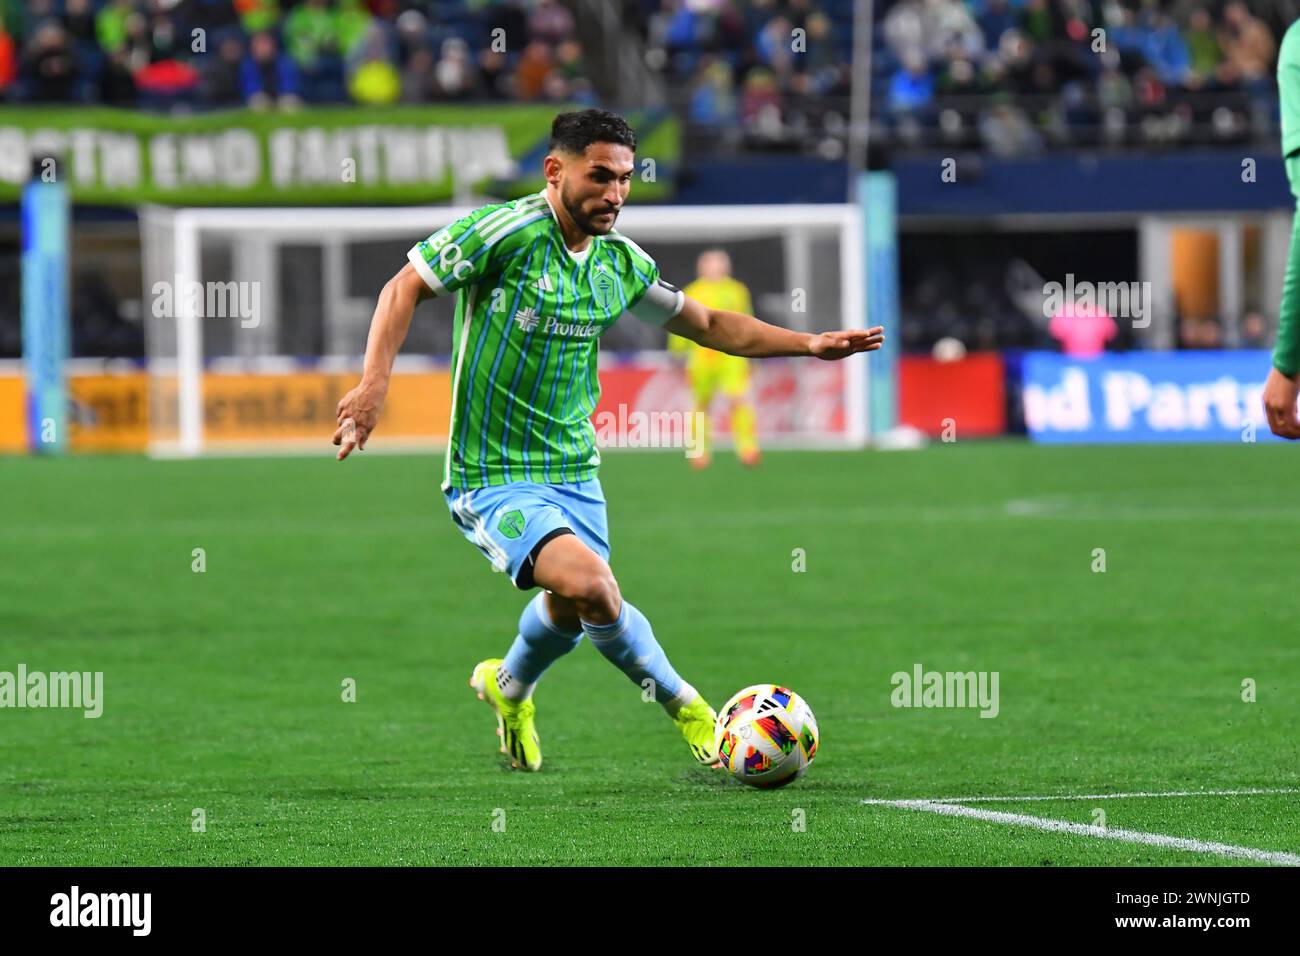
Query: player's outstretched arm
{"points": [[738, 334], [1283, 384], [358, 410]]}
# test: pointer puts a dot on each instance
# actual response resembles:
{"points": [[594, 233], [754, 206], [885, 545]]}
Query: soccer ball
{"points": [[766, 736]]}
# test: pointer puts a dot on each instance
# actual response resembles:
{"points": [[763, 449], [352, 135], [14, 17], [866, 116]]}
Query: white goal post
{"points": [[811, 258]]}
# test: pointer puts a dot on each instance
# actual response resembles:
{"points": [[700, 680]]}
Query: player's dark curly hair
{"points": [[574, 132]]}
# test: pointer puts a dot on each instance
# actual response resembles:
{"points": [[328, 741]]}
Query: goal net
{"points": [[256, 323]]}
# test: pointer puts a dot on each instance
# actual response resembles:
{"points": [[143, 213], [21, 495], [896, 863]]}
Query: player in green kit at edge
{"points": [[1283, 385], [538, 280]]}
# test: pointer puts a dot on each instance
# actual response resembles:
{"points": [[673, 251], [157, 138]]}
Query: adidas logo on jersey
{"points": [[544, 283]]}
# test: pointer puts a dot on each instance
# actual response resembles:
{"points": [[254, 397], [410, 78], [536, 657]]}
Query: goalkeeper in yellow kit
{"points": [[711, 372]]}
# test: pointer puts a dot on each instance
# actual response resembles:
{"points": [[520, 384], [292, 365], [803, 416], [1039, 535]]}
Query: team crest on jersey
{"points": [[602, 287], [511, 524]]}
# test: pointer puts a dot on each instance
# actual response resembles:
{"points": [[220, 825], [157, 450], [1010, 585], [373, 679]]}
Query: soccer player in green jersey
{"points": [[1283, 385], [537, 281]]}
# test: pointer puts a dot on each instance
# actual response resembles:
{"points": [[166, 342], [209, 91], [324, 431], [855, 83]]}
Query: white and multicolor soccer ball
{"points": [[766, 736]]}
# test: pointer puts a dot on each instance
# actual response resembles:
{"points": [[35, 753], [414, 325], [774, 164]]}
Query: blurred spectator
{"points": [[904, 30], [455, 77], [568, 60], [996, 20], [1147, 88], [911, 87], [822, 62], [222, 85], [8, 61], [353, 24], [773, 45], [418, 83], [1255, 333], [494, 67], [713, 101], [257, 15], [959, 79], [310, 33], [412, 29], [1006, 132], [50, 65], [137, 46], [1211, 334], [1202, 45], [534, 66], [550, 21], [110, 24], [1196, 333], [215, 18], [166, 77], [79, 21], [1164, 49], [1036, 21], [1114, 91], [760, 105], [1247, 44], [1016, 51], [952, 26], [268, 77]]}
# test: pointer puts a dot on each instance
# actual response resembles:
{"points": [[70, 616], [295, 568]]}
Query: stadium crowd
{"points": [[1026, 74], [1011, 76], [224, 53]]}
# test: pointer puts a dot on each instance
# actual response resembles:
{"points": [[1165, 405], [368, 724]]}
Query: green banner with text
{"points": [[319, 156]]}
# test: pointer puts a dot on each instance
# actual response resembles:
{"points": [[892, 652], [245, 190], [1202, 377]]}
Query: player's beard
{"points": [[587, 223]]}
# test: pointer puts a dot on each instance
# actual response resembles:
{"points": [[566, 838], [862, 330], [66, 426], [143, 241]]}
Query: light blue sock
{"points": [[539, 644], [629, 644]]}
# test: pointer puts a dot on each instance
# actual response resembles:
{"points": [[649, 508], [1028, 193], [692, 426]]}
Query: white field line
{"points": [[948, 808], [1098, 796]]}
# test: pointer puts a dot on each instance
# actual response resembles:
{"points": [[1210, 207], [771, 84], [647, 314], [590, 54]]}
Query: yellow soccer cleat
{"points": [[516, 724], [698, 724]]}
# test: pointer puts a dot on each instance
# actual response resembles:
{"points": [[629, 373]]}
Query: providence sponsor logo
{"points": [[103, 909], [529, 319], [68, 689], [922, 688]]}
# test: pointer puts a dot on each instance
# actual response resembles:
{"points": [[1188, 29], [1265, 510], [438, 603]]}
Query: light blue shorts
{"points": [[509, 523]]}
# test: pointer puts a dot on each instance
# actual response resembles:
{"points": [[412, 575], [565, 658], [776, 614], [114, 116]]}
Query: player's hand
{"points": [[838, 345], [358, 412], [1280, 393]]}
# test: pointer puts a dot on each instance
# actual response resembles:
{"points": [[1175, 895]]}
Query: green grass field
{"points": [[223, 688]]}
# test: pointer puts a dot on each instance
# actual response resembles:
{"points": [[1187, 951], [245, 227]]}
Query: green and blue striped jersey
{"points": [[529, 313]]}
